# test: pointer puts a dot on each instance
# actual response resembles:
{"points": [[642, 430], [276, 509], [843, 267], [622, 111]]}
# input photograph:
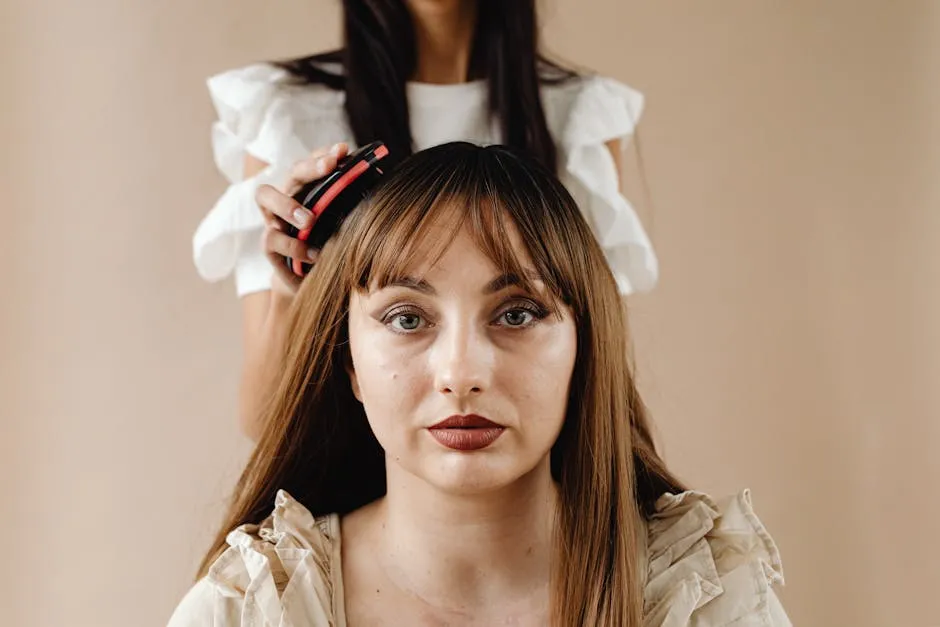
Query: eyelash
{"points": [[536, 310]]}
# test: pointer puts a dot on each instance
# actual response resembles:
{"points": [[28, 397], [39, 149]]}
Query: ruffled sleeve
{"points": [[711, 563], [258, 114], [280, 572], [604, 110]]}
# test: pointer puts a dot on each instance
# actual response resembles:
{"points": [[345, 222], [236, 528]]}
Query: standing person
{"points": [[414, 74]]}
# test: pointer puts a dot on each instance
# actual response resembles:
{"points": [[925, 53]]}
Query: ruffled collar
{"points": [[709, 562]]}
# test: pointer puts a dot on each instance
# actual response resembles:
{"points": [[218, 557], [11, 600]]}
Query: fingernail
{"points": [[321, 166], [301, 215], [312, 254], [335, 149]]}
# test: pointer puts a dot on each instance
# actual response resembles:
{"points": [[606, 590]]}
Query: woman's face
{"points": [[464, 375]]}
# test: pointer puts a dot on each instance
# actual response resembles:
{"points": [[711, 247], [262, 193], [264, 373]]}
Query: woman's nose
{"points": [[462, 360]]}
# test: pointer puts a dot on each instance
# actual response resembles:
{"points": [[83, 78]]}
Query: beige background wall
{"points": [[793, 344]]}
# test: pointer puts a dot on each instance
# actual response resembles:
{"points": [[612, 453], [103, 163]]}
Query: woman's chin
{"points": [[473, 475]]}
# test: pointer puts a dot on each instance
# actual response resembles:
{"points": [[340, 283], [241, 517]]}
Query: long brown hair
{"points": [[317, 444]]}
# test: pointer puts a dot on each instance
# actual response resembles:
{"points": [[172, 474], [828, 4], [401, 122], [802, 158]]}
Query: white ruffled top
{"points": [[259, 114], [709, 564]]}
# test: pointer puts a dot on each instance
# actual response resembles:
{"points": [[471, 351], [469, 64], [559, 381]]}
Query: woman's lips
{"points": [[466, 433]]}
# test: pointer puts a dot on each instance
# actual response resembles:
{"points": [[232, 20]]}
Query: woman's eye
{"points": [[404, 320], [522, 315], [407, 322], [517, 317]]}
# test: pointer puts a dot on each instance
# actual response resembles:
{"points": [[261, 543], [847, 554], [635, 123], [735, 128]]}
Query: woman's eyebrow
{"points": [[419, 285], [509, 279]]}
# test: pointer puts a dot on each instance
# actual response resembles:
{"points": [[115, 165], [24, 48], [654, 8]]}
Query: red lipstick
{"points": [[466, 433]]}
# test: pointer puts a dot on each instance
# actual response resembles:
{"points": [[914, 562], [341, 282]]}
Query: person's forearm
{"points": [[263, 356]]}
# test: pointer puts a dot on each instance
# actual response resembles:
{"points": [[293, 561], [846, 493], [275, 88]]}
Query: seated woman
{"points": [[457, 438]]}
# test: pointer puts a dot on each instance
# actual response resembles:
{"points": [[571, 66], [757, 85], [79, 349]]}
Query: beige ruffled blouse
{"points": [[710, 563]]}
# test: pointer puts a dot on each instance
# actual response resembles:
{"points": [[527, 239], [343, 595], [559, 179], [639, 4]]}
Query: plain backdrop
{"points": [[792, 346]]}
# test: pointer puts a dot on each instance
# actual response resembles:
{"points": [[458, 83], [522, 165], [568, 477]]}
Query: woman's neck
{"points": [[468, 551], [443, 39]]}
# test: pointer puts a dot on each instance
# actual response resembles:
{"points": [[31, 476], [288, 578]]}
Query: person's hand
{"points": [[280, 209]]}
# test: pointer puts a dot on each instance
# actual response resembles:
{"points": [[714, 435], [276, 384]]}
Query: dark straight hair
{"points": [[379, 57]]}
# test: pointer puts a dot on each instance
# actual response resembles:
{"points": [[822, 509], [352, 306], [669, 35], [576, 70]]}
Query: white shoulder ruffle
{"points": [[259, 114], [279, 572], [711, 563], [601, 110]]}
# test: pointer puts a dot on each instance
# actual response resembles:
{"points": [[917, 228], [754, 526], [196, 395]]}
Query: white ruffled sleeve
{"points": [[711, 564], [605, 110], [285, 570], [257, 116]]}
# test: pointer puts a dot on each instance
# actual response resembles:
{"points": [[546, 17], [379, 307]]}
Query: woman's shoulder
{"points": [[589, 108], [262, 81], [711, 562], [262, 110], [280, 571], [592, 117]]}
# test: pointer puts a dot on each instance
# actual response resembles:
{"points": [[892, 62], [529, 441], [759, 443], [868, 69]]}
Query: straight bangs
{"points": [[414, 217]]}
